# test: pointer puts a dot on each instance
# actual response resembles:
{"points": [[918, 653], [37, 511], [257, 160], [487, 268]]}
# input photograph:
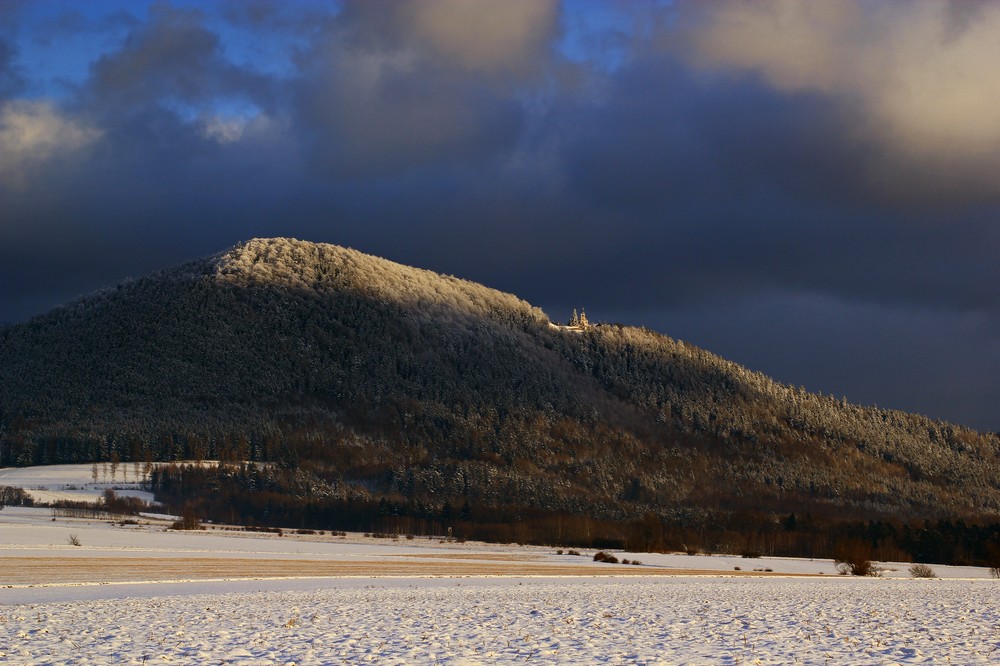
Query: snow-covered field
{"points": [[142, 594], [77, 483], [488, 621]]}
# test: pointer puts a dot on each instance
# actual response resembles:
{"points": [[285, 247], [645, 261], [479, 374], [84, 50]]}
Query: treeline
{"points": [[270, 496], [110, 505]]}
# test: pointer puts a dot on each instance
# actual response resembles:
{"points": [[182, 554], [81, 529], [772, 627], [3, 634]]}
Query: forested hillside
{"points": [[383, 384]]}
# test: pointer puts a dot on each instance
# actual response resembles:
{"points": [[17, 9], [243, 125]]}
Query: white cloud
{"points": [[924, 73], [224, 129], [35, 133]]}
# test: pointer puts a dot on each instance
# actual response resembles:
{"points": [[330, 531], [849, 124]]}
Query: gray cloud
{"points": [[391, 86], [10, 79], [11, 76], [174, 58], [476, 36]]}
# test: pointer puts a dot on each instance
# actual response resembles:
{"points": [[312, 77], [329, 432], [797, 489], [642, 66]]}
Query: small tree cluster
{"points": [[123, 505], [14, 496]]}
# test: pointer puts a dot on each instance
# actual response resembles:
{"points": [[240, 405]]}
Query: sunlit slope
{"points": [[392, 379]]}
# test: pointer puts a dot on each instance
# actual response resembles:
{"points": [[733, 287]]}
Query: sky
{"points": [[810, 189]]}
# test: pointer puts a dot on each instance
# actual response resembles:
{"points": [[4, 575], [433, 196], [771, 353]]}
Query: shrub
{"points": [[573, 552], [854, 558], [74, 540], [750, 553], [859, 568], [922, 571], [601, 556]]}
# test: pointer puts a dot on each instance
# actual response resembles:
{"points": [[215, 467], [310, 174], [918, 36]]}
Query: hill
{"points": [[422, 393]]}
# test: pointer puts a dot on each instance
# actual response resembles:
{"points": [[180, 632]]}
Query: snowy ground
{"points": [[510, 620], [53, 483], [138, 594]]}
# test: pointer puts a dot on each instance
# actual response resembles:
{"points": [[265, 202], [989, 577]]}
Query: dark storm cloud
{"points": [[135, 171], [904, 358], [717, 190], [685, 174]]}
